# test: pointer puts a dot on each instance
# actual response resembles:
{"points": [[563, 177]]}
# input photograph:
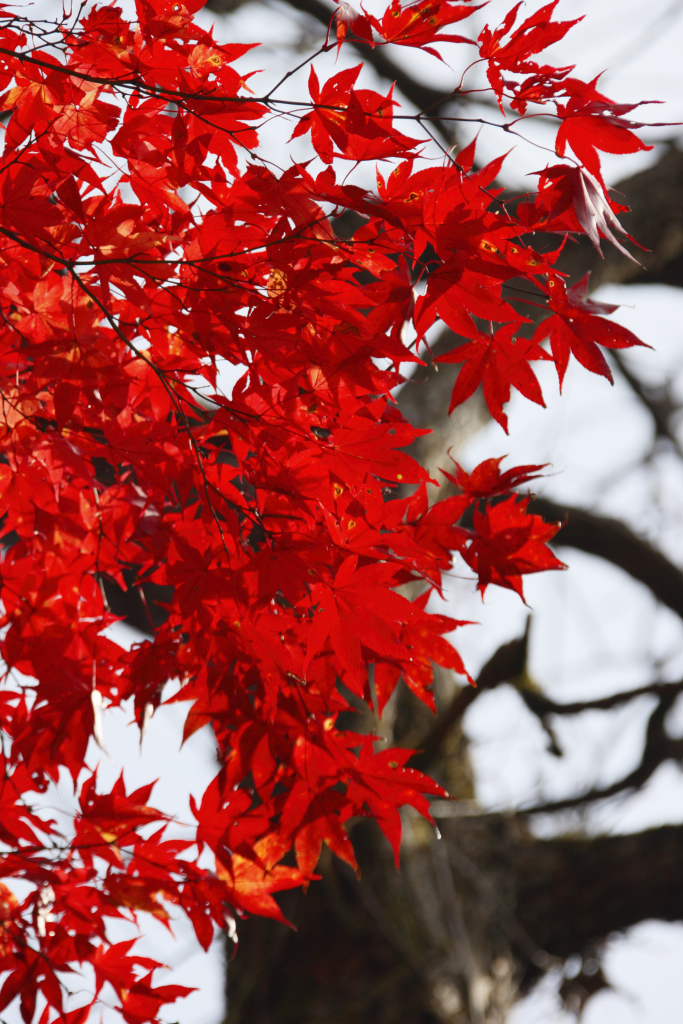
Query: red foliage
{"points": [[146, 241]]}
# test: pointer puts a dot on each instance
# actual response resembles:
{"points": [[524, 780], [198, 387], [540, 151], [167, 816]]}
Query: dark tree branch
{"points": [[141, 606], [573, 893], [613, 541], [489, 888], [659, 747], [538, 703], [657, 401]]}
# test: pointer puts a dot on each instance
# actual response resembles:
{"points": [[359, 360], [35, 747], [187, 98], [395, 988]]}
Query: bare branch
{"points": [[657, 401], [540, 704], [572, 893], [659, 747], [613, 541]]}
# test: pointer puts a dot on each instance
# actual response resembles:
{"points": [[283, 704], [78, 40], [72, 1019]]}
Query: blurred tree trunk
{"points": [[472, 920]]}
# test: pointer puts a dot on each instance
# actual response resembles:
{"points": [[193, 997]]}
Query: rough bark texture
{"points": [[596, 886], [472, 920]]}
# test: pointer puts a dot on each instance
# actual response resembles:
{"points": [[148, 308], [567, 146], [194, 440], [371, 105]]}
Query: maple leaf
{"points": [[311, 836], [357, 121], [535, 34], [427, 647], [572, 198], [593, 123], [251, 881], [498, 362], [420, 23], [348, 19], [116, 963], [487, 481], [510, 542], [339, 604], [215, 816], [575, 329], [141, 1002], [383, 783], [595, 214], [138, 894], [110, 820], [315, 811]]}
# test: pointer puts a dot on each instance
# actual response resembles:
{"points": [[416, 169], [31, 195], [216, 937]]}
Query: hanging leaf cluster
{"points": [[148, 241]]}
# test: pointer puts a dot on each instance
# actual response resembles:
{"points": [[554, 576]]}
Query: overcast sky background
{"points": [[592, 633]]}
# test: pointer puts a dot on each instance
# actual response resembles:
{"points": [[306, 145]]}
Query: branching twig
{"points": [[659, 747], [615, 542]]}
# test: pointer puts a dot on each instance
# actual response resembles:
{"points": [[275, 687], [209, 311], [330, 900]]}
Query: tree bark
{"points": [[471, 922]]}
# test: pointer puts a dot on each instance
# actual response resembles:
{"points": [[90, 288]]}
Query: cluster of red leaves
{"points": [[145, 242]]}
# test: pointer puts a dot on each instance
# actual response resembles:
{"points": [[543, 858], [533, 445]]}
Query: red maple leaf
{"points": [[593, 123], [358, 122], [487, 481], [498, 362], [535, 34], [421, 23], [576, 329], [509, 542]]}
